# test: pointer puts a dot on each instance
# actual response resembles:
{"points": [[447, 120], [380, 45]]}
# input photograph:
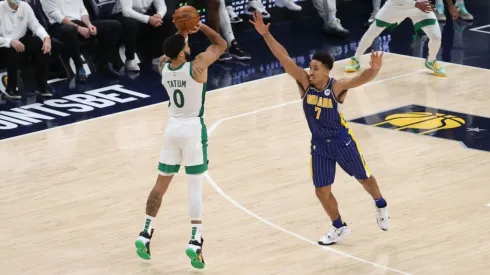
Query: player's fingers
{"points": [[253, 23]]}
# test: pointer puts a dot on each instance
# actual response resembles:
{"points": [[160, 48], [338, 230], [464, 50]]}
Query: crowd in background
{"points": [[69, 22]]}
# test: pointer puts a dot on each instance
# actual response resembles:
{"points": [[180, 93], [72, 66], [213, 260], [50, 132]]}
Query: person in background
{"points": [[460, 6], [327, 10], [16, 17], [71, 24], [234, 51], [134, 17], [376, 8]]}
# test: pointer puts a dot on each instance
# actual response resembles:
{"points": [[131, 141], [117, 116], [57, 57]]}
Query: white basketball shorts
{"points": [[392, 14]]}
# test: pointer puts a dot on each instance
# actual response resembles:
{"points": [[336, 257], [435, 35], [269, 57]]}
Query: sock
{"points": [[367, 39], [435, 37], [377, 5], [225, 23], [338, 223], [196, 232], [381, 203], [148, 225], [195, 196]]}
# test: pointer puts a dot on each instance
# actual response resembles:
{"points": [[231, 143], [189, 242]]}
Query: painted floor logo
{"points": [[473, 131]]}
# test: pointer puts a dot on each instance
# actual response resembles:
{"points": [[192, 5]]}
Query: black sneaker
{"points": [[194, 252], [11, 94], [142, 244], [238, 53], [45, 93], [225, 56]]}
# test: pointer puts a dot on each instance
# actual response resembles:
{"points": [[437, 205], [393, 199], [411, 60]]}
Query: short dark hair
{"points": [[173, 45], [325, 58]]}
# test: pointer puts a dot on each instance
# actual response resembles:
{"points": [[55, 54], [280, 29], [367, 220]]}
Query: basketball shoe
{"points": [[353, 66], [334, 235], [142, 244], [436, 67], [383, 218], [194, 252]]}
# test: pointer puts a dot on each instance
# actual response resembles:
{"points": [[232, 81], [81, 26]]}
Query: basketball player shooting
{"points": [[332, 141], [185, 138], [393, 12]]}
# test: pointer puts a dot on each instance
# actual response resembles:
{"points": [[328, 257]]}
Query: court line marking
{"points": [[220, 191], [212, 91], [478, 29]]}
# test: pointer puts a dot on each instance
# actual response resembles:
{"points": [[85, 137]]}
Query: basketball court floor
{"points": [[73, 197]]}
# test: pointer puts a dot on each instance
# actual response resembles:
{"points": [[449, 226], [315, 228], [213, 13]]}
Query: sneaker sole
{"points": [[195, 262], [352, 70], [343, 237], [141, 250]]}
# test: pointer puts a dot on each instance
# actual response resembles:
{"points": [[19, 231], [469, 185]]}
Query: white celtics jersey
{"points": [[186, 95]]}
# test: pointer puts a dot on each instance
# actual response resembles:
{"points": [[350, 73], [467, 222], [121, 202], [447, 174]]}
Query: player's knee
{"points": [[323, 192]]}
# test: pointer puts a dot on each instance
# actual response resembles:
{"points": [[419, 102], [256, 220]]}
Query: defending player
{"points": [[332, 141], [185, 138]]}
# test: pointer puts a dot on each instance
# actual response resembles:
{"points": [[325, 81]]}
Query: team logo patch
{"points": [[327, 92], [470, 130]]}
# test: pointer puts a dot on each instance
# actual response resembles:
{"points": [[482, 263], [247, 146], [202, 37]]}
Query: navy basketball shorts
{"points": [[325, 154]]}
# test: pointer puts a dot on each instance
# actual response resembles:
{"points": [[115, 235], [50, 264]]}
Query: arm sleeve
{"points": [[34, 25], [127, 11], [52, 10]]}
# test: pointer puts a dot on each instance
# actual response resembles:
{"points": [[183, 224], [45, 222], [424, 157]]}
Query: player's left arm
{"points": [[342, 85]]}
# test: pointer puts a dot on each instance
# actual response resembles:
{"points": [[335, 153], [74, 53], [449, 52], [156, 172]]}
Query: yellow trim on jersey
{"points": [[349, 131]]}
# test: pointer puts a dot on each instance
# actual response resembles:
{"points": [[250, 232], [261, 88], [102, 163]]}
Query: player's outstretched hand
{"points": [[258, 23], [425, 6], [376, 60]]}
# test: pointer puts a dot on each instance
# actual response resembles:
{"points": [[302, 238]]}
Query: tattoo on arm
{"points": [[153, 203]]}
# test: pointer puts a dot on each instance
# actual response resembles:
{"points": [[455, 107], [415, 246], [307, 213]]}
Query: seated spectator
{"points": [[71, 24], [256, 5], [16, 17], [135, 19], [460, 6], [327, 9], [226, 30]]}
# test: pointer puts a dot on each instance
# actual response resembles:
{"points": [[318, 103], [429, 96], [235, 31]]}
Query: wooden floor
{"points": [[72, 199]]}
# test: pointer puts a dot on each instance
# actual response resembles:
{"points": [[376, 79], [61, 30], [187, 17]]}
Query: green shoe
{"points": [[436, 68], [142, 244], [353, 66], [194, 252]]}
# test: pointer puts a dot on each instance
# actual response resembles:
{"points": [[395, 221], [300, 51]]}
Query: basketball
{"points": [[186, 17]]}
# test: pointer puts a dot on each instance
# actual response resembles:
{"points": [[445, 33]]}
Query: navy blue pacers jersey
{"points": [[332, 141]]}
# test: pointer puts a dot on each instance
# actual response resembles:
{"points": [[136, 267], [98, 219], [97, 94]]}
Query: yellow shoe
{"points": [[436, 68], [353, 66]]}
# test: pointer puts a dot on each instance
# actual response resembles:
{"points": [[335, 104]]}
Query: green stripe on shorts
{"points": [[201, 168], [165, 168]]}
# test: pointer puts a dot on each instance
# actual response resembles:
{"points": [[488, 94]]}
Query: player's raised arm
{"points": [[300, 75], [363, 78], [212, 53]]}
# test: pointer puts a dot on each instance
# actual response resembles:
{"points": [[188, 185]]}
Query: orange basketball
{"points": [[186, 17]]}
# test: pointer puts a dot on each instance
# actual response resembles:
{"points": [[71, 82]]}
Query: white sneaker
{"points": [[335, 235], [383, 218], [132, 66], [256, 5], [234, 18], [289, 4], [335, 27]]}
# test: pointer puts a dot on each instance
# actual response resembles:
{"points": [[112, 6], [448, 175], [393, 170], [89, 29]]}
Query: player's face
{"points": [[318, 72]]}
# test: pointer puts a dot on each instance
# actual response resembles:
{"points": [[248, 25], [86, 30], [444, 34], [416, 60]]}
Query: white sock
{"points": [[377, 5], [196, 232], [195, 196], [434, 34], [367, 39], [148, 225], [225, 23]]}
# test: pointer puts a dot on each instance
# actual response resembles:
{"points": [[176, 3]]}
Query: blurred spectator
{"points": [[327, 9], [227, 32], [15, 18], [134, 17], [256, 5], [71, 24], [376, 8], [460, 6]]}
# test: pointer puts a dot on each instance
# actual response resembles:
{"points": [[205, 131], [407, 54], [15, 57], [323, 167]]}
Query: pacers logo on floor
{"points": [[473, 131], [425, 122]]}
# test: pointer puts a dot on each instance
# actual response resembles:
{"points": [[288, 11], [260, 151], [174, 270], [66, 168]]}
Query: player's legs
{"points": [[196, 164], [327, 10], [228, 34], [350, 159], [323, 174], [427, 22], [387, 17], [169, 164]]}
